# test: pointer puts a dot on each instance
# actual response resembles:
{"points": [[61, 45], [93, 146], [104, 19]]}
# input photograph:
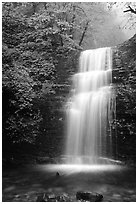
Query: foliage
{"points": [[33, 42]]}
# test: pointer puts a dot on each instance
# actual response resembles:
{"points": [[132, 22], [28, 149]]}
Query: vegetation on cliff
{"points": [[124, 78]]}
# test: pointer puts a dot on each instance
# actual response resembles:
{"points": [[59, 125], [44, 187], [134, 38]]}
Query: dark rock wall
{"points": [[124, 80], [52, 138]]}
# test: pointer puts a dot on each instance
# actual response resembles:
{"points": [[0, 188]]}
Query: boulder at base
{"points": [[89, 196]]}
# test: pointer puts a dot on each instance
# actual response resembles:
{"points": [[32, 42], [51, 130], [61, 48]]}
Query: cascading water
{"points": [[91, 108]]}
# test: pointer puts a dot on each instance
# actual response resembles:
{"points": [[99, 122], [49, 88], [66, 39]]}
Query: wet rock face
{"points": [[53, 108], [124, 80], [89, 196]]}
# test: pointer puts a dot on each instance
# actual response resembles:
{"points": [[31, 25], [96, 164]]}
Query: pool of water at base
{"points": [[117, 183]]}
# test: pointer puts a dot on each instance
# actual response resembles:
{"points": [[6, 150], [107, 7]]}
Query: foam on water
{"points": [[79, 168]]}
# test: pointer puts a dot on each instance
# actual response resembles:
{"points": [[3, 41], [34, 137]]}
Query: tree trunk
{"points": [[83, 34]]}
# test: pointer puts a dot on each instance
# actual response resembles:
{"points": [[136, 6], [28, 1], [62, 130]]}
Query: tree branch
{"points": [[131, 10]]}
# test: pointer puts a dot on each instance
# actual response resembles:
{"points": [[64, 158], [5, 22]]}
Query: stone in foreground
{"points": [[89, 196], [53, 198]]}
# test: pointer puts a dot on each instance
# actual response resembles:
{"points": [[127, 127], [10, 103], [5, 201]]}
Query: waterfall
{"points": [[90, 109]]}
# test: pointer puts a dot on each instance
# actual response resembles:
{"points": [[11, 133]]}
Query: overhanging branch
{"points": [[131, 10]]}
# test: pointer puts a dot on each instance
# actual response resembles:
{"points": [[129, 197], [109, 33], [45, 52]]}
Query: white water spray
{"points": [[89, 116]]}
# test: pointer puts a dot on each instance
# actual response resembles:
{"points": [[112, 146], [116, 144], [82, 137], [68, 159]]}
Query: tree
{"points": [[33, 41]]}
